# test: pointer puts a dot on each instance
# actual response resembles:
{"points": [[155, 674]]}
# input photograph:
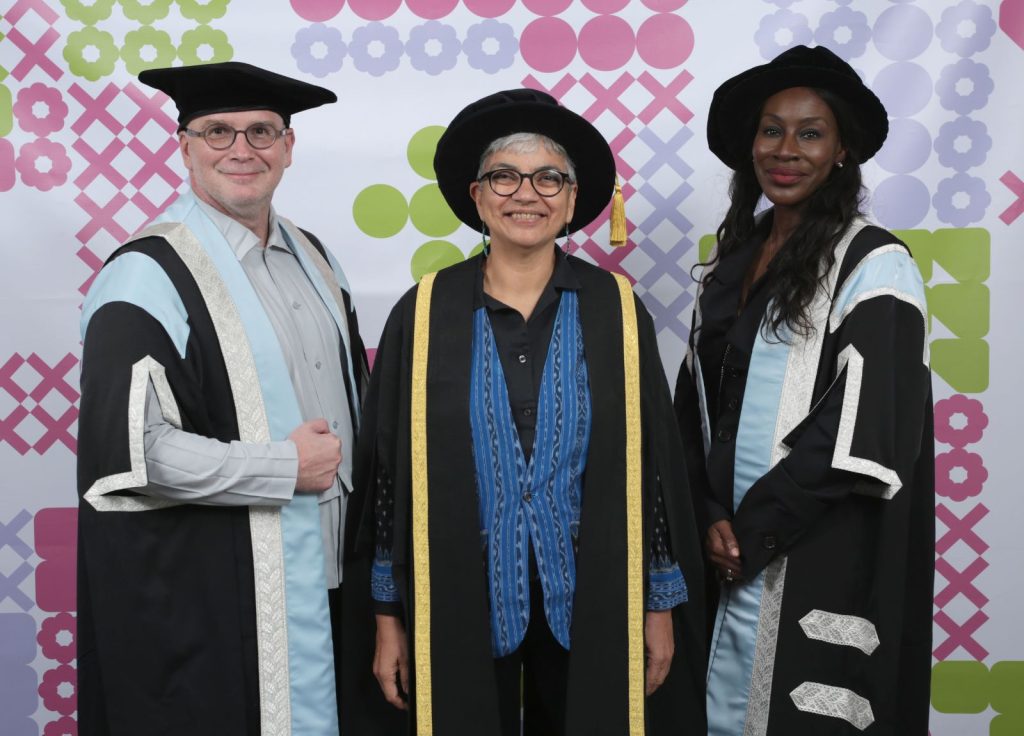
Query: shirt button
{"points": [[724, 435], [296, 305], [317, 365], [528, 412], [527, 497], [334, 424], [522, 358]]}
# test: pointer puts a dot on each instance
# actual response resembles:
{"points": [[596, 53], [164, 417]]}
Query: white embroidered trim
{"points": [[759, 699], [837, 702], [836, 320], [841, 458], [840, 629], [144, 371], [264, 522]]}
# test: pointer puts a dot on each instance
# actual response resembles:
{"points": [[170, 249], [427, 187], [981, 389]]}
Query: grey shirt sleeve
{"points": [[189, 468]]}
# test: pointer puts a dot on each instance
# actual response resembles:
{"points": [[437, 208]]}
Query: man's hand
{"points": [[391, 660], [724, 550], [660, 647], [319, 456]]}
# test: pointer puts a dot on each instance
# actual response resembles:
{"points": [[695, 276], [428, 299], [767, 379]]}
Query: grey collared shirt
{"points": [[194, 469]]}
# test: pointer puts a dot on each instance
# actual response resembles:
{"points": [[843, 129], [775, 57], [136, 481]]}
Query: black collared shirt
{"points": [[523, 344]]}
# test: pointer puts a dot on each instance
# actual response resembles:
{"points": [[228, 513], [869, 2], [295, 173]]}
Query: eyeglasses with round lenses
{"points": [[506, 182], [221, 137]]}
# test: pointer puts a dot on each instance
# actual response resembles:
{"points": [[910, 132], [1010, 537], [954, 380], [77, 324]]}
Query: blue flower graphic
{"points": [[420, 55], [856, 24], [976, 75], [973, 14], [307, 38], [963, 127], [475, 46], [781, 20], [365, 42], [978, 200]]}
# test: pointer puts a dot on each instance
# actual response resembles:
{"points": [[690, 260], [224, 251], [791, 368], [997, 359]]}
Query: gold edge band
{"points": [[634, 509], [420, 510]]}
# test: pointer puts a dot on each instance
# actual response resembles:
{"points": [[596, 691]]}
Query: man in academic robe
{"points": [[221, 380]]}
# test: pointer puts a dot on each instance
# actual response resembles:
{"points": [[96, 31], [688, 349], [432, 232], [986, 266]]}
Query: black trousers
{"points": [[542, 666]]}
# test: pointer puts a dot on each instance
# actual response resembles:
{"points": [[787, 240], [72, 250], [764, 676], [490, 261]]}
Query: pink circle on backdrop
{"points": [[548, 44], [605, 6], [374, 9], [431, 9], [317, 11], [664, 41], [607, 42], [489, 8], [664, 6], [547, 7]]}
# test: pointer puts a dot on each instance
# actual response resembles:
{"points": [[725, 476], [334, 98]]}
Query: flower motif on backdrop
{"points": [[204, 38], [845, 31], [433, 47], [970, 16], [491, 46], [146, 12], [948, 145], [147, 48], [780, 30], [975, 420], [961, 200], [308, 44], [90, 53], [50, 637], [376, 49], [953, 80], [54, 175], [970, 466], [58, 690], [50, 98]]}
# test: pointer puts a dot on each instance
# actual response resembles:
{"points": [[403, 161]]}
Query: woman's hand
{"points": [[391, 660], [724, 550], [660, 646]]}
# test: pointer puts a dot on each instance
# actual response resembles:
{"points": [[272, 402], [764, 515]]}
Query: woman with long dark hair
{"points": [[807, 385]]}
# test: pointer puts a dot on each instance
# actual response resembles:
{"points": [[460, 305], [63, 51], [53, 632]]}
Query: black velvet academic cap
{"points": [[523, 111], [232, 86], [738, 101]]}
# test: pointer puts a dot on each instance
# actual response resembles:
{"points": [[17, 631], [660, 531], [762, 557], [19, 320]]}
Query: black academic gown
{"points": [[167, 640], [464, 690], [847, 549]]}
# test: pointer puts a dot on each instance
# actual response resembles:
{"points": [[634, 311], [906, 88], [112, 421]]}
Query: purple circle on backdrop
{"points": [[489, 8], [904, 88], [605, 6], [431, 9], [664, 6], [902, 32], [374, 9], [548, 44], [607, 42], [907, 148], [547, 7], [664, 41], [901, 202], [317, 11]]}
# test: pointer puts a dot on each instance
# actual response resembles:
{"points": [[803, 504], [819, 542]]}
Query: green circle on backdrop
{"points": [[431, 214], [380, 211], [422, 147], [135, 42], [477, 249], [433, 256], [6, 111]]}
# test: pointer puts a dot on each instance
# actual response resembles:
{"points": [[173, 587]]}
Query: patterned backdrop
{"points": [[87, 156]]}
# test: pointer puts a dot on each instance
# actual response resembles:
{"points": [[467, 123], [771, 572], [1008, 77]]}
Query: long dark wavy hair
{"points": [[797, 271]]}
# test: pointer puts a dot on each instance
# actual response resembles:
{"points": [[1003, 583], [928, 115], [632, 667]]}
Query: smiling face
{"points": [[524, 220], [240, 180], [795, 147]]}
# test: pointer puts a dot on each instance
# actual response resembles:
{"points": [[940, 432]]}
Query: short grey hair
{"points": [[526, 143]]}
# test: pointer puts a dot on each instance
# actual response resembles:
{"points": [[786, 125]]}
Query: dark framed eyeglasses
{"points": [[506, 182], [221, 137]]}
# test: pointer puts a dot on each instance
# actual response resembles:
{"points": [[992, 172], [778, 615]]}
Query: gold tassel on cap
{"points": [[618, 217]]}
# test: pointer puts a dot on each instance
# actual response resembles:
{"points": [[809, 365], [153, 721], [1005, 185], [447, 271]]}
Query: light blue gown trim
{"points": [[137, 279], [310, 648], [892, 270], [734, 638]]}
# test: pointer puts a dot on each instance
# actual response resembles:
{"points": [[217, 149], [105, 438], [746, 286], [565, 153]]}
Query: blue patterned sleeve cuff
{"points": [[382, 584], [667, 587]]}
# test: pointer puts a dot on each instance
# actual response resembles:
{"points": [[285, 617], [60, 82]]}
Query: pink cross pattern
{"points": [[17, 11], [960, 582], [1015, 185], [34, 54], [53, 379], [154, 163], [619, 142], [960, 635], [94, 262], [56, 429], [95, 108], [558, 91], [8, 429], [102, 217], [960, 528], [666, 97], [7, 382], [607, 98], [99, 163], [150, 108]]}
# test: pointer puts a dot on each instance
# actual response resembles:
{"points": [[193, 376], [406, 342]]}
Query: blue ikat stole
{"points": [[536, 501]]}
